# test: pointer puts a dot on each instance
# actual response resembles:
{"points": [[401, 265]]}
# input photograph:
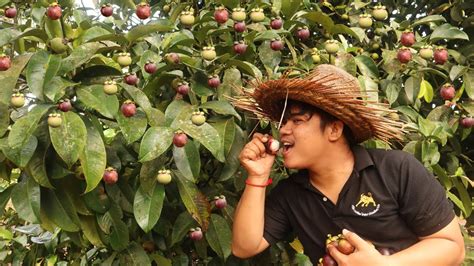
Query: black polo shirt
{"points": [[390, 199]]}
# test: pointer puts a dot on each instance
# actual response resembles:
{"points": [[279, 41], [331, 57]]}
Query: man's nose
{"points": [[285, 128]]}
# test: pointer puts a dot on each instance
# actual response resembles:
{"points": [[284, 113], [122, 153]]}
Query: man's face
{"points": [[304, 141]]}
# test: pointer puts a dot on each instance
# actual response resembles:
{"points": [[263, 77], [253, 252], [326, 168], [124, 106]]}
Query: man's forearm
{"points": [[430, 252], [249, 220]]}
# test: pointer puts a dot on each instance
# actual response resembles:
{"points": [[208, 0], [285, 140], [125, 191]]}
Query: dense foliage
{"points": [[117, 140]]}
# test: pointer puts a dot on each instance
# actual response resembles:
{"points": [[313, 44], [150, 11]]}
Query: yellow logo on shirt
{"points": [[366, 205]]}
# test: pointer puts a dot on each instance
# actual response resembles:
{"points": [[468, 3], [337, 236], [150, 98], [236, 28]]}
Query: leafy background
{"points": [[59, 211]]}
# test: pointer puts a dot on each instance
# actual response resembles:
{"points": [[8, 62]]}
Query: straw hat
{"points": [[331, 89]]}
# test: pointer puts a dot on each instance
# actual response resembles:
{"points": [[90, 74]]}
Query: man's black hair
{"points": [[326, 117]]}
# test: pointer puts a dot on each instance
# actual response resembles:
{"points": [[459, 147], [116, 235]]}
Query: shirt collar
{"points": [[362, 161]]}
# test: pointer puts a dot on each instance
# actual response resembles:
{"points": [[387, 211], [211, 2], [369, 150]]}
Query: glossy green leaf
{"points": [[457, 71], [246, 67], [221, 107], [464, 195], [155, 116], [449, 32], [119, 237], [174, 109], [26, 199], [195, 201], [91, 231], [81, 55], [56, 88], [205, 134], [412, 88], [226, 130], [59, 208], [429, 19], [40, 71], [160, 25], [70, 138], [134, 255], [25, 126], [232, 162], [9, 78], [155, 142], [132, 127], [5, 196], [219, 236], [187, 160], [97, 200], [468, 78], [22, 154], [289, 7], [8, 35], [95, 98], [93, 33], [147, 206], [93, 157], [181, 227], [4, 118], [37, 166], [367, 66]]}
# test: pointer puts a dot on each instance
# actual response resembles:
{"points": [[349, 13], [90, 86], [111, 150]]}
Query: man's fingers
{"points": [[258, 145], [261, 137], [337, 255], [356, 240]]}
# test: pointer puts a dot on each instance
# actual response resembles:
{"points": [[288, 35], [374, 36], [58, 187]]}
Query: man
{"points": [[385, 197]]}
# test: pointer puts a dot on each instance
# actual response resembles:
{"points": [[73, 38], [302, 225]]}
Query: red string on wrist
{"points": [[269, 181]]}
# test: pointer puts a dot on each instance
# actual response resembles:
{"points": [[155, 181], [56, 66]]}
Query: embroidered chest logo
{"points": [[366, 205]]}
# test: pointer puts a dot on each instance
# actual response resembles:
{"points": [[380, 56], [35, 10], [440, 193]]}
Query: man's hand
{"points": [[255, 159], [365, 253]]}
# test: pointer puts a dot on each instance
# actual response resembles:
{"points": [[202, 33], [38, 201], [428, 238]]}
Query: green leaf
{"points": [[9, 78], [26, 199], [392, 91], [266, 35], [95, 98], [429, 19], [449, 32], [81, 55], [427, 90], [175, 38], [21, 155], [70, 138], [90, 229], [226, 130], [457, 71], [93, 33], [155, 116], [465, 198], [246, 67], [181, 227], [93, 157], [205, 134], [221, 107], [160, 25], [37, 166], [4, 118], [174, 109], [97, 200], [40, 71], [155, 142], [187, 160], [367, 66], [429, 152], [231, 81], [134, 255], [55, 89], [219, 236], [8, 35], [269, 57], [5, 196], [412, 88], [195, 201], [320, 17], [426, 126], [289, 7], [119, 237], [232, 158], [468, 78], [59, 208], [147, 206], [347, 62], [132, 127], [24, 127]]}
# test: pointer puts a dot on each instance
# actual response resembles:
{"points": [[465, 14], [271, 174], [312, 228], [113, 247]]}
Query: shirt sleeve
{"points": [[276, 225], [423, 202]]}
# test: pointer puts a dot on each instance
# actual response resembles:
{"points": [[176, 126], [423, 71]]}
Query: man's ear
{"points": [[334, 130]]}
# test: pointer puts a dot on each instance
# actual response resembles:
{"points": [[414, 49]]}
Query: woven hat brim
{"points": [[334, 93]]}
